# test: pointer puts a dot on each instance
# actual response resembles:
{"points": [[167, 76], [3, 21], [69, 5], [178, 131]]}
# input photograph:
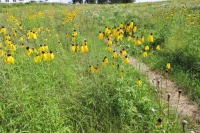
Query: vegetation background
{"points": [[64, 95]]}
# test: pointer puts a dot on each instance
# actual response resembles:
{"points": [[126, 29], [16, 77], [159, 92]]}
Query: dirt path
{"points": [[185, 106]]}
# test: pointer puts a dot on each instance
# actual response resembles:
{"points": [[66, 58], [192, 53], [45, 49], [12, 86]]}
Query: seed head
{"points": [[184, 122], [179, 91], [159, 120], [168, 96]]}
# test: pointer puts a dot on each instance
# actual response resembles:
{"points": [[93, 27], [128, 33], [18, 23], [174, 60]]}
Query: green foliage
{"points": [[63, 95]]}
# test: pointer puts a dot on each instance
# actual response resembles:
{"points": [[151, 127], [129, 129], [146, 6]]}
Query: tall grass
{"points": [[63, 95]]}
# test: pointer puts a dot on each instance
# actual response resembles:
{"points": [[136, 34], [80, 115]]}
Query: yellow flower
{"points": [[158, 47], [10, 59], [114, 55], [3, 30], [73, 38], [150, 38], [100, 36], [41, 49], [37, 59], [104, 63], [92, 69], [109, 42], [105, 59], [131, 24], [129, 37], [159, 123], [124, 53], [45, 56], [134, 28], [82, 48], [108, 48], [97, 68], [138, 82], [45, 48], [74, 33], [73, 48], [1, 52], [126, 60], [142, 39], [137, 41], [145, 30], [146, 47], [85, 48], [21, 38], [28, 51], [168, 65], [20, 27], [144, 54], [76, 48], [51, 56]]}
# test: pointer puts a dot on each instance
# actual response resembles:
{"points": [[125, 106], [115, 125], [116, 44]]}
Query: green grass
{"points": [[63, 95]]}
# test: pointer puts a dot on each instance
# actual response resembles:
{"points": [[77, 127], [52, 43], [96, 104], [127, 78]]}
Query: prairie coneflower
{"points": [[158, 47], [28, 51], [20, 27], [131, 24], [146, 47], [138, 82], [100, 36], [72, 48], [104, 63], [137, 41], [159, 123], [108, 48], [114, 55], [76, 48], [109, 41], [10, 59], [144, 54], [85, 47], [126, 60], [142, 39], [81, 49], [45, 48], [73, 38], [124, 53], [74, 33], [37, 59], [41, 48], [21, 39], [134, 28], [106, 59], [129, 37], [51, 55], [92, 69], [1, 52], [96, 70], [3, 30], [168, 65], [45, 56], [150, 38]]}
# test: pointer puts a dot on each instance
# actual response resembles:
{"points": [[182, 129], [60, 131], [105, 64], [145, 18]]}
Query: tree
{"points": [[91, 1], [101, 1]]}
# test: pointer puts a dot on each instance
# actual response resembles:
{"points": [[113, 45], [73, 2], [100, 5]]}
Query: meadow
{"points": [[65, 68]]}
